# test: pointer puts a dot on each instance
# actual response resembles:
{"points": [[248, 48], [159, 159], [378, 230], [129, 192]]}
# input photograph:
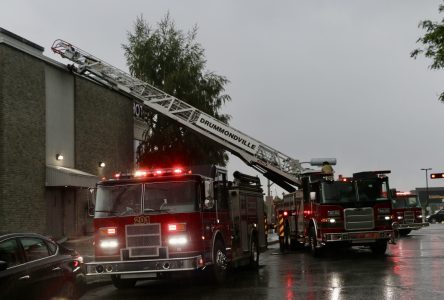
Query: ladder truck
{"points": [[151, 223]]}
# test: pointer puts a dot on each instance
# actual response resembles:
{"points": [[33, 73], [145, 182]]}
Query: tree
{"points": [[175, 63], [433, 42]]}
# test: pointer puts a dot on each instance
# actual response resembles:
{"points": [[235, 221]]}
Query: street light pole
{"points": [[427, 192]]}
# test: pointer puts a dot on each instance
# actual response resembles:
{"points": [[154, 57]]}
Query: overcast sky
{"points": [[329, 78]]}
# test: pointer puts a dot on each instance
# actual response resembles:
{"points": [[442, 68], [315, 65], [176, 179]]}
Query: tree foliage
{"points": [[174, 62], [433, 44]]}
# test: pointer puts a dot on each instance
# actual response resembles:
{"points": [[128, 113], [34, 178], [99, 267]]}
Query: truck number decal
{"points": [[141, 220]]}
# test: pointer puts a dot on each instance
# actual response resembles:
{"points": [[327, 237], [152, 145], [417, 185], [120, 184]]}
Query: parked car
{"points": [[436, 217], [33, 266]]}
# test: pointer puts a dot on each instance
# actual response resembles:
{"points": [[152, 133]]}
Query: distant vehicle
{"points": [[35, 267], [436, 217], [406, 210]]}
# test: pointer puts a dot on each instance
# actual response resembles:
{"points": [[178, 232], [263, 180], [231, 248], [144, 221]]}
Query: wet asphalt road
{"points": [[411, 269]]}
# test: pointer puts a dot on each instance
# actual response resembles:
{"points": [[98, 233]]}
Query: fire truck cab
{"points": [[407, 212], [348, 212], [150, 223]]}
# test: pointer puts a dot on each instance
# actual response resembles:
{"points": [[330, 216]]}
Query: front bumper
{"points": [[144, 266], [358, 237], [413, 226]]}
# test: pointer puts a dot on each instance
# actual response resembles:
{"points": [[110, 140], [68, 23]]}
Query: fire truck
{"points": [[154, 222], [407, 212], [346, 212]]}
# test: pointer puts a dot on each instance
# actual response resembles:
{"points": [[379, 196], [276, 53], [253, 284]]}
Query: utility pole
{"points": [[427, 193]]}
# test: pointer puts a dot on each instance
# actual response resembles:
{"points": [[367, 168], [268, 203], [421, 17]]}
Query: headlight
{"points": [[107, 244], [328, 220], [178, 240], [387, 218], [399, 217]]}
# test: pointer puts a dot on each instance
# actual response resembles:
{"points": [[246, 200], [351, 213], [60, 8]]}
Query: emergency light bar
{"points": [[436, 175], [370, 174], [152, 173], [398, 193]]}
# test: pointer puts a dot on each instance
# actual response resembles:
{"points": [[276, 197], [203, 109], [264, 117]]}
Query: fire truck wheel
{"points": [[220, 262], [281, 244], [314, 243], [122, 283], [254, 253], [379, 247]]}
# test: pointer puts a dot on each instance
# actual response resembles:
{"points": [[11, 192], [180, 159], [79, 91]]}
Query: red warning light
{"points": [[178, 171], [437, 175]]}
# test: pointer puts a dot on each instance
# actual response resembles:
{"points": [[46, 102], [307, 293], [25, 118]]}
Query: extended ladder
{"points": [[274, 165]]}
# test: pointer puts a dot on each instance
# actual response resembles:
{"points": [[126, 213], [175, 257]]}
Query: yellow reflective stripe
{"points": [[281, 225]]}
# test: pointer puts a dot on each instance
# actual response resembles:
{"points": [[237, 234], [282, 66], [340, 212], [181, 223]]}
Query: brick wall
{"points": [[22, 141], [103, 129]]}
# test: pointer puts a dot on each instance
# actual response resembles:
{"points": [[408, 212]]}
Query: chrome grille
{"points": [[359, 218], [143, 240], [409, 217], [142, 229]]}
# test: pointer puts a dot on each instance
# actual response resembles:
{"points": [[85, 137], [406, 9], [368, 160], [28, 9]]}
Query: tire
{"points": [[287, 235], [404, 232], [254, 252], [122, 284], [317, 252], [433, 220], [220, 263], [281, 244], [379, 248]]}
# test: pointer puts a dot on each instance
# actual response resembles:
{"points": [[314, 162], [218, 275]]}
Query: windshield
{"points": [[133, 199], [118, 200], [374, 189], [176, 196], [406, 202], [338, 192]]}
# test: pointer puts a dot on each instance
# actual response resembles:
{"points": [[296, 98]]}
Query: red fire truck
{"points": [[348, 212], [151, 223], [407, 212]]}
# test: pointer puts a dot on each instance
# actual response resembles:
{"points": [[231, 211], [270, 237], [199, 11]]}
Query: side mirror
{"points": [[312, 196], [209, 188], [393, 193], [209, 195], [91, 201]]}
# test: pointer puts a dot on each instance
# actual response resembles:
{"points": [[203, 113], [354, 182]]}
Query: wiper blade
{"points": [[107, 211], [156, 210]]}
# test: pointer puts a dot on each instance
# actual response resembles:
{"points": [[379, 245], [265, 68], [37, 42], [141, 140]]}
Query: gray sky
{"points": [[309, 78]]}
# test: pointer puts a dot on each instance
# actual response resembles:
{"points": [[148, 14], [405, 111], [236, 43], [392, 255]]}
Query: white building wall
{"points": [[59, 117]]}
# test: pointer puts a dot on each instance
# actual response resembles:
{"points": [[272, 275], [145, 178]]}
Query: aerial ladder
{"points": [[272, 164]]}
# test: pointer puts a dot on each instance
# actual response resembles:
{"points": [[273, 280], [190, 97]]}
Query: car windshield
{"points": [[406, 202], [338, 192], [135, 199], [374, 189]]}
